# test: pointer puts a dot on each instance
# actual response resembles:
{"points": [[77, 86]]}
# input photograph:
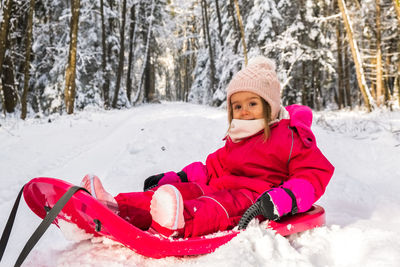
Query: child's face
{"points": [[246, 106]]}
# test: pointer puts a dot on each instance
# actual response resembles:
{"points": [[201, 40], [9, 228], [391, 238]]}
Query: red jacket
{"points": [[290, 152]]}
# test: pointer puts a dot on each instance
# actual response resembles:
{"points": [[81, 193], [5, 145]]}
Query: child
{"points": [[270, 161]]}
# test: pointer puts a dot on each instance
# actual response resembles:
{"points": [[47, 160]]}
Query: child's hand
{"points": [[152, 181], [264, 206], [164, 178], [293, 196]]}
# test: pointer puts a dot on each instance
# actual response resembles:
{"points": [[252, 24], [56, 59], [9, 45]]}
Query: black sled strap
{"points": [[42, 226], [7, 230]]}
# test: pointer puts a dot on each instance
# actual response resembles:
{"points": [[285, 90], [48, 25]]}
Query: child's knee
{"points": [[204, 216]]}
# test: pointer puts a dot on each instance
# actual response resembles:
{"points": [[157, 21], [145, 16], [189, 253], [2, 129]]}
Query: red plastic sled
{"points": [[87, 213]]}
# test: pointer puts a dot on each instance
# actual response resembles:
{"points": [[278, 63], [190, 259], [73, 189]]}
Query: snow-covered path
{"points": [[124, 147]]}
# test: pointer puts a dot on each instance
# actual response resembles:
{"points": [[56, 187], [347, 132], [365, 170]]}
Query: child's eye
{"points": [[252, 104], [237, 107]]}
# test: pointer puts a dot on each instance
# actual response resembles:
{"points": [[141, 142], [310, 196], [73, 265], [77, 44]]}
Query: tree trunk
{"points": [[130, 57], [317, 91], [362, 83], [235, 27], [8, 82], [397, 79], [121, 55], [3, 40], [339, 66], [70, 73], [396, 88], [210, 52], [188, 71], [193, 56], [168, 94], [106, 84], [349, 102], [387, 81], [312, 91], [396, 4], [178, 80], [203, 20], [380, 94], [4, 31], [219, 22], [28, 47], [241, 32], [190, 46], [146, 54], [185, 69], [149, 82], [303, 84]]}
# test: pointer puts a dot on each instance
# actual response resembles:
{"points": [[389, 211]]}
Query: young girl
{"points": [[270, 161]]}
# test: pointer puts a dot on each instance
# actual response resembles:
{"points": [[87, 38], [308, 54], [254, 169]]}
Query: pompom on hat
{"points": [[258, 77]]}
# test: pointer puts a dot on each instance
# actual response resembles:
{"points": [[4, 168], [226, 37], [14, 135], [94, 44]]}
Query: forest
{"points": [[61, 56]]}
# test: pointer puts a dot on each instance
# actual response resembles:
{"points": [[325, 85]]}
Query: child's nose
{"points": [[244, 111]]}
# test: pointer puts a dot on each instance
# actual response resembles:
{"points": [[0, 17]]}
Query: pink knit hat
{"points": [[258, 77]]}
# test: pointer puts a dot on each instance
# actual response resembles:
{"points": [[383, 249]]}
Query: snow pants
{"points": [[206, 210]]}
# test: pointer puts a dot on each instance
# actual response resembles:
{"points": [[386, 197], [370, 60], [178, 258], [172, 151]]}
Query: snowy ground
{"points": [[124, 147]]}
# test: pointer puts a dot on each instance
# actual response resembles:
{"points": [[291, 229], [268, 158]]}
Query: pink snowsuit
{"points": [[234, 176]]}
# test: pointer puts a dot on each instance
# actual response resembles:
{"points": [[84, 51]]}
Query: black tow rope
{"points": [[51, 215], [9, 225]]}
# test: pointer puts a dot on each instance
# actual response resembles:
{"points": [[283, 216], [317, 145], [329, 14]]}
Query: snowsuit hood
{"points": [[301, 119]]}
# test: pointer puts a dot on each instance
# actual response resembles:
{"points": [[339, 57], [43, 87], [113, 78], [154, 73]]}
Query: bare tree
{"points": [[70, 73], [241, 31], [368, 100]]}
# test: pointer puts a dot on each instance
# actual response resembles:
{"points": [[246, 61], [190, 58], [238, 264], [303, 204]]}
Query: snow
{"points": [[124, 147], [72, 231]]}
